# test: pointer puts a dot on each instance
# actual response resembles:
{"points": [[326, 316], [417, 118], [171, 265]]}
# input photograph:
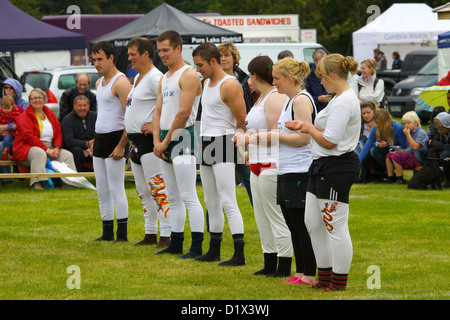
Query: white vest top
{"points": [[171, 93], [256, 122], [110, 113], [293, 159], [217, 118], [141, 101]]}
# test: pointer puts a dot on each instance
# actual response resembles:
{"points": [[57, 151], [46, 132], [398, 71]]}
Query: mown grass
{"points": [[403, 232]]}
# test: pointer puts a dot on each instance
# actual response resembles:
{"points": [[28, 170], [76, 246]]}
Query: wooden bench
{"points": [[49, 175], [45, 175]]}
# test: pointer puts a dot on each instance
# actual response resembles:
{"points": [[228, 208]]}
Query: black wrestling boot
{"points": [[176, 244], [238, 258], [196, 246], [284, 268], [270, 264], [108, 231], [121, 232], [213, 253]]}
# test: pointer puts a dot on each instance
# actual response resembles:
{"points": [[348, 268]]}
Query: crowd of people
{"points": [[299, 135]]}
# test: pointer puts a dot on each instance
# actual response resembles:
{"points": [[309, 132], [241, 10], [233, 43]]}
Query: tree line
{"points": [[334, 20]]}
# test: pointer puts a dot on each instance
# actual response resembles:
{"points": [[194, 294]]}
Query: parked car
{"points": [[54, 81], [404, 92], [412, 63], [7, 72]]}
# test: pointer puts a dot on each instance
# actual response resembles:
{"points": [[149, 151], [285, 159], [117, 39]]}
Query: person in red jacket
{"points": [[39, 137], [445, 81]]}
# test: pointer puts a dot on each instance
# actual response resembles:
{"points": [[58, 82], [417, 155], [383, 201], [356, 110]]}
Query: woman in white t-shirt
{"points": [[334, 169]]}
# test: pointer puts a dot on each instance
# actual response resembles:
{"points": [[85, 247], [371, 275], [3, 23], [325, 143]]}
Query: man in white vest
{"points": [[175, 142], [223, 111], [110, 142]]}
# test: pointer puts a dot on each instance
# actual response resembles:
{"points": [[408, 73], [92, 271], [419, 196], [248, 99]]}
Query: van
{"points": [[247, 51], [405, 91]]}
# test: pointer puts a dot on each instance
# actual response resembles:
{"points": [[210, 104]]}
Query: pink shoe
{"points": [[291, 280], [301, 282]]}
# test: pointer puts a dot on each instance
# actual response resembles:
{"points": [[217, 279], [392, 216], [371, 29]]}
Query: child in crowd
{"points": [[411, 157], [8, 116], [368, 109]]}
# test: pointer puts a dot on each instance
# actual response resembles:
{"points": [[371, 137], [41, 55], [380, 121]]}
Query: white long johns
{"points": [[327, 224], [180, 178], [220, 195], [150, 188], [273, 231], [110, 181]]}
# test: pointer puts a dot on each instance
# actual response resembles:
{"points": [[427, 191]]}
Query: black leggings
{"points": [[303, 252]]}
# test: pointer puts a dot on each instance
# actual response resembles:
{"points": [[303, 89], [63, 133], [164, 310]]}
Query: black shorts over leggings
{"points": [[332, 177]]}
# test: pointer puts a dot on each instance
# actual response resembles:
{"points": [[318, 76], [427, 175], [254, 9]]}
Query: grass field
{"points": [[404, 234]]}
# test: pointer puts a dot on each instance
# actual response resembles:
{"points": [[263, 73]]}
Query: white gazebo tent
{"points": [[403, 27]]}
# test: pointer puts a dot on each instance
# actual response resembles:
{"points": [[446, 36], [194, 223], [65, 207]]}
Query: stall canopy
{"points": [[162, 18], [21, 32], [402, 24]]}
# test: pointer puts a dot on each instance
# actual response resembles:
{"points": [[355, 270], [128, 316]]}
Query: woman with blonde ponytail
{"points": [[294, 161], [335, 167]]}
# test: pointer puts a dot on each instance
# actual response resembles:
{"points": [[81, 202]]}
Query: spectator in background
{"points": [[82, 83], [380, 59], [9, 113], [385, 134], [14, 89], [313, 83], [285, 54], [397, 63], [414, 154], [38, 138], [368, 86], [78, 129], [441, 142], [8, 117], [445, 81]]}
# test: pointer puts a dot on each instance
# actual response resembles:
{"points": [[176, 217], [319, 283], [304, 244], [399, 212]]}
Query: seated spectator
{"points": [[414, 154], [8, 117], [78, 129], [397, 63], [14, 89], [38, 138], [441, 142], [368, 86], [432, 130], [314, 85], [385, 134], [82, 83], [368, 109]]}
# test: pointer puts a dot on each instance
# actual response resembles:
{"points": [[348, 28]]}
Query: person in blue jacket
{"points": [[386, 134], [14, 88]]}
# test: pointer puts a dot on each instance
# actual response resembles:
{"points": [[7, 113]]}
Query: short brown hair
{"points": [[142, 44], [174, 38]]}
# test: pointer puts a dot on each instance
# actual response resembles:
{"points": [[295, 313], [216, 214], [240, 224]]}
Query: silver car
{"points": [[54, 81]]}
